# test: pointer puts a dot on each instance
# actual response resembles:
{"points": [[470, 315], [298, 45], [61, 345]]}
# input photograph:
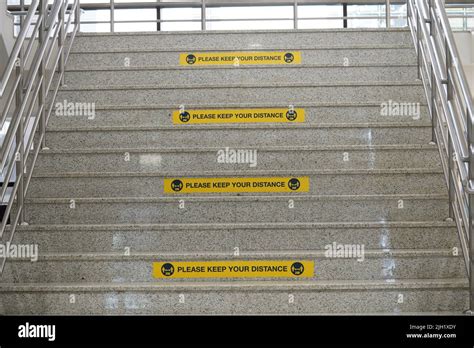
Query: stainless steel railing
{"points": [[451, 109], [296, 16], [29, 83]]}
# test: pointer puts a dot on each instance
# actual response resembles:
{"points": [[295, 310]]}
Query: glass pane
{"points": [[228, 18], [177, 15], [319, 11]]}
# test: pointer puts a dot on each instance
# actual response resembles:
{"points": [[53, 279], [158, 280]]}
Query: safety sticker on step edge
{"points": [[273, 115], [240, 58], [234, 269], [221, 185]]}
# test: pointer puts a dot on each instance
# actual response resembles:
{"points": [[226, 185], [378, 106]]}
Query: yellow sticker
{"points": [[220, 185], [240, 58], [234, 269], [274, 115]]}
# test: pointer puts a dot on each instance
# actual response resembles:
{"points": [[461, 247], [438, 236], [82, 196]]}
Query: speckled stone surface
{"points": [[240, 40], [236, 136], [225, 237], [389, 195], [222, 209], [140, 268], [205, 159], [246, 93], [156, 115], [450, 296], [142, 57], [152, 185], [244, 74]]}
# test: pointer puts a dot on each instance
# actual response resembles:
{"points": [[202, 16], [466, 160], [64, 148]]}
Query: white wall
{"points": [[465, 44], [6, 34]]}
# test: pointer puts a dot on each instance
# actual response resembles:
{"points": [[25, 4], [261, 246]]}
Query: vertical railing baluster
{"points": [[77, 18], [203, 15], [112, 16], [387, 13], [20, 149], [42, 72], [295, 14], [61, 39]]}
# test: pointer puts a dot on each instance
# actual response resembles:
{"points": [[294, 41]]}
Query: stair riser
{"points": [[141, 271], [159, 117], [236, 41], [237, 137], [326, 57], [247, 240], [84, 187], [207, 161], [221, 95], [240, 75], [237, 302], [237, 211]]}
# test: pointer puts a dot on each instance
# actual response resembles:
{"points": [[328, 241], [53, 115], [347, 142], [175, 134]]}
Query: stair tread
{"points": [[227, 67], [228, 256], [240, 173], [447, 283], [241, 126], [243, 85], [257, 147], [106, 227]]}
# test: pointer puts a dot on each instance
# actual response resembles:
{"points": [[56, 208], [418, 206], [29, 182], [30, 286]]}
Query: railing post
{"points": [[20, 147], [387, 13], [61, 39], [295, 14], [418, 40], [433, 82], [112, 16], [42, 71], [77, 17], [203, 15], [470, 228]]}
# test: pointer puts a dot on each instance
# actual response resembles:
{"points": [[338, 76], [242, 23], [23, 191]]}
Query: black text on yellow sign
{"points": [[237, 185], [234, 269], [273, 115], [240, 58]]}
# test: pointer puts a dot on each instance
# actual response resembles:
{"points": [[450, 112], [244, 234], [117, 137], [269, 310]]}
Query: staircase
{"points": [[98, 209]]}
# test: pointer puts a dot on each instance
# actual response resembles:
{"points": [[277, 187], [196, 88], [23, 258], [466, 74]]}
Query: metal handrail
{"points": [[451, 109], [38, 57], [203, 5]]}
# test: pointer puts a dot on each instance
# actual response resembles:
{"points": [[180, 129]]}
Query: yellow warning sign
{"points": [[274, 115], [240, 58], [220, 185], [234, 269]]}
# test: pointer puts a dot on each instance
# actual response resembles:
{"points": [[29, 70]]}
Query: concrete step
{"points": [[239, 40], [284, 158], [324, 55], [244, 74], [138, 267], [231, 209], [435, 296], [290, 94], [338, 182], [192, 238], [236, 136], [159, 115]]}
